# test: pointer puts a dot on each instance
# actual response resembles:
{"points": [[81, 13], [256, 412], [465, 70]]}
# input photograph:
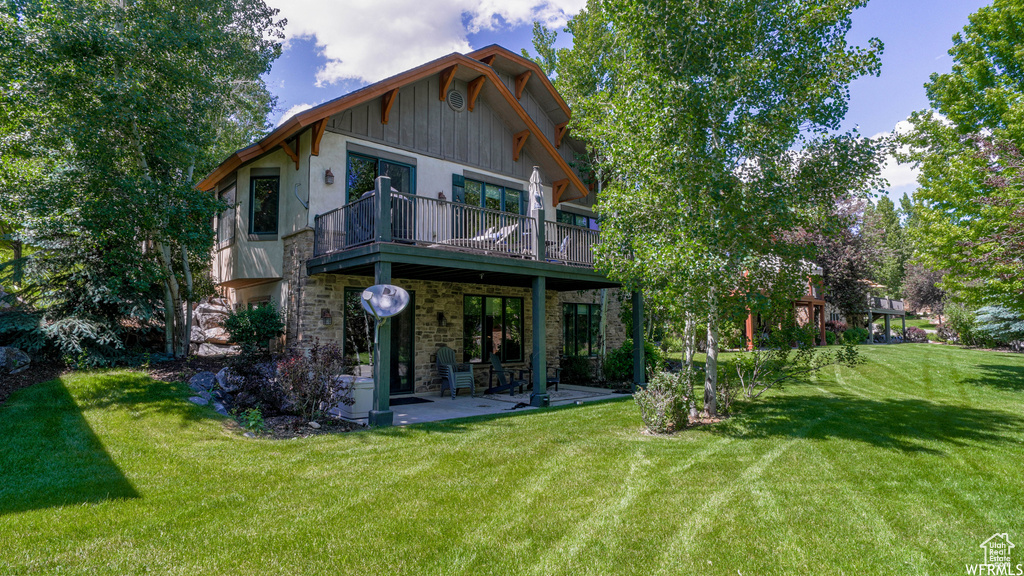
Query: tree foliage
{"points": [[971, 196], [112, 109]]}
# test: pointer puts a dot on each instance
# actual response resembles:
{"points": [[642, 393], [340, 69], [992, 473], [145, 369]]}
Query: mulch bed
{"points": [[35, 374], [289, 427], [183, 369]]}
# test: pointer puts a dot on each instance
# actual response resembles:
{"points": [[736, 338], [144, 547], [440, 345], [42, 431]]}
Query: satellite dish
{"points": [[384, 300]]}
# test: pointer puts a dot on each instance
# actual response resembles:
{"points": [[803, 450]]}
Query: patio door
{"points": [[358, 341]]}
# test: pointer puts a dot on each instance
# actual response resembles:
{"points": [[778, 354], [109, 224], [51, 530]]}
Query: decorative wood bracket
{"points": [[518, 141], [560, 130], [489, 60], [474, 87], [291, 153], [558, 188], [386, 102], [521, 83], [318, 134], [447, 75]]}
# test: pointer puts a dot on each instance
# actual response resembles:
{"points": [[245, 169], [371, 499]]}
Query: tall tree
{"points": [[971, 197], [884, 233], [129, 102], [696, 108]]}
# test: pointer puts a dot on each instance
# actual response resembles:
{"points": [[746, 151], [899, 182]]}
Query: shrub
{"points": [[577, 370], [618, 366], [311, 380], [915, 334], [855, 336], [836, 326], [663, 403], [831, 337], [253, 329]]}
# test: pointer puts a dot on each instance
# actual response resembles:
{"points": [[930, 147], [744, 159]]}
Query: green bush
{"points": [[577, 370], [618, 366], [855, 336], [253, 329], [663, 403], [831, 337]]}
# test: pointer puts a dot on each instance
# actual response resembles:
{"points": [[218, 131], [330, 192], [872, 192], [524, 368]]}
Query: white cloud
{"points": [[293, 111], [369, 40], [901, 177]]}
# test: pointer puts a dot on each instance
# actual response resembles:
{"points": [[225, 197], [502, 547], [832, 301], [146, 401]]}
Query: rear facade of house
{"points": [[310, 223]]}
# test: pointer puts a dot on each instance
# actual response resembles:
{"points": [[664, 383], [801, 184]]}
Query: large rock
{"points": [[217, 335], [204, 381], [206, 350], [13, 360], [208, 321], [198, 335], [205, 309], [228, 382]]}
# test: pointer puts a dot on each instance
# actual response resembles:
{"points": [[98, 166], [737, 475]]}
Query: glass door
{"points": [[358, 341]]}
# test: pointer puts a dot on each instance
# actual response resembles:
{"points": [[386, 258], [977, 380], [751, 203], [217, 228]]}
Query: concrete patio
{"points": [[443, 407]]}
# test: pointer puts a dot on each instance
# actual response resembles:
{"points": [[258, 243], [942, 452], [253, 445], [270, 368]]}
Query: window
{"points": [[492, 325], [363, 171], [263, 204], [492, 196], [258, 302], [581, 329], [226, 219], [576, 219]]}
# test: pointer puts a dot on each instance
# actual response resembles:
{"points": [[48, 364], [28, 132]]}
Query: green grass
{"points": [[902, 466], [922, 323]]}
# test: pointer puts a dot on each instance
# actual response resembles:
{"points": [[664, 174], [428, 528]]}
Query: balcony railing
{"points": [[455, 226], [877, 303]]}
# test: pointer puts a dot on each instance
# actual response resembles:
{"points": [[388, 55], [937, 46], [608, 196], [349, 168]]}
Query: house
{"points": [[809, 309], [421, 180]]}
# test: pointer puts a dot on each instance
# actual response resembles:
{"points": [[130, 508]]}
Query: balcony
{"points": [[422, 221], [417, 232], [880, 305]]}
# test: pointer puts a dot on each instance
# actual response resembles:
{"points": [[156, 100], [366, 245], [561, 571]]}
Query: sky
{"points": [[334, 47]]}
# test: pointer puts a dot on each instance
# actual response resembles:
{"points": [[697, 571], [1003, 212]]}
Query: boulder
{"points": [[13, 360], [217, 335], [220, 409], [228, 382], [206, 350], [198, 336], [207, 309], [208, 321], [198, 400], [203, 382]]}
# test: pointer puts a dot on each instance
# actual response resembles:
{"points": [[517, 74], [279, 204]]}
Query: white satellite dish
{"points": [[385, 300]]}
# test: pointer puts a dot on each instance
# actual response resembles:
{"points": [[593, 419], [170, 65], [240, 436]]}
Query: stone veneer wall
{"points": [[308, 295]]}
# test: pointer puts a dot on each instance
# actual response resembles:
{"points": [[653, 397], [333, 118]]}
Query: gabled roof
{"points": [[519, 64], [574, 187]]}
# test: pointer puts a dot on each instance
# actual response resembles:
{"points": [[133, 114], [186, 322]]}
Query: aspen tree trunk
{"points": [[711, 377], [168, 320], [689, 344], [172, 288], [187, 340]]}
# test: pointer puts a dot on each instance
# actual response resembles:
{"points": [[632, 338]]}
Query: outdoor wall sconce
{"points": [[441, 320], [325, 317], [328, 177], [441, 196]]}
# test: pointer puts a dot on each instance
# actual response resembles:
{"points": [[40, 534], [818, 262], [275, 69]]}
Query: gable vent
{"points": [[456, 101]]}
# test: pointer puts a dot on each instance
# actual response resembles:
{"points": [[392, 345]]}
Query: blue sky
{"points": [[335, 47]]}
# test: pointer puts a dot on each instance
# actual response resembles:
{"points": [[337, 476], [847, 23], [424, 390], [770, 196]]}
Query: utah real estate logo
{"points": [[998, 562]]}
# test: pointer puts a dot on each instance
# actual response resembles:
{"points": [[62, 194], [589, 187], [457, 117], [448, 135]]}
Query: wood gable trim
{"points": [[558, 188], [291, 153], [518, 141], [521, 81], [473, 88], [318, 134], [386, 102], [323, 112], [447, 75], [488, 53], [560, 130]]}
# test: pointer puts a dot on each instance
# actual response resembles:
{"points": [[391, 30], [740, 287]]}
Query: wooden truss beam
{"points": [[474, 87], [446, 77], [386, 102], [318, 134], [558, 187], [560, 130], [518, 141], [521, 83], [291, 153], [489, 60]]}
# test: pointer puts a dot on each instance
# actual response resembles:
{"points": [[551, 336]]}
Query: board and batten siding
{"points": [[421, 123]]}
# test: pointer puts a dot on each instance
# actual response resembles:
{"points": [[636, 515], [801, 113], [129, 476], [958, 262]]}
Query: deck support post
{"points": [[381, 414], [871, 325], [638, 340], [903, 320], [540, 356], [887, 333], [821, 325]]}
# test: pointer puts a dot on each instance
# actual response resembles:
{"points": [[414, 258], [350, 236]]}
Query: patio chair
{"points": [[453, 375], [505, 382], [551, 380]]}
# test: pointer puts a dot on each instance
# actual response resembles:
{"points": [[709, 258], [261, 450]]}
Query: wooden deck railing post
{"points": [[541, 245], [382, 205]]}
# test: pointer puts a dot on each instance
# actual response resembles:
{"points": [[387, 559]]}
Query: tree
{"points": [[695, 109], [971, 199], [884, 233], [126, 104], [922, 289]]}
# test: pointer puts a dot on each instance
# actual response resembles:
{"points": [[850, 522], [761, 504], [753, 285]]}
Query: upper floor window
{"points": [[576, 219], [226, 218], [363, 171], [486, 195], [264, 204]]}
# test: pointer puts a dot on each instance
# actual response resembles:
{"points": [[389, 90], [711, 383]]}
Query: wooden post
{"points": [[540, 365], [903, 320], [821, 319], [381, 414], [750, 330], [871, 323], [887, 341], [542, 247], [382, 211], [638, 340]]}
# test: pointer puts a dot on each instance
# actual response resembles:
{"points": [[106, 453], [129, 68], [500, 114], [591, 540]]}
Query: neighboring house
{"points": [[311, 222], [809, 309]]}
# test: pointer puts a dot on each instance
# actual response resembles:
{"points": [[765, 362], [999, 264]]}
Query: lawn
{"points": [[901, 466]]}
